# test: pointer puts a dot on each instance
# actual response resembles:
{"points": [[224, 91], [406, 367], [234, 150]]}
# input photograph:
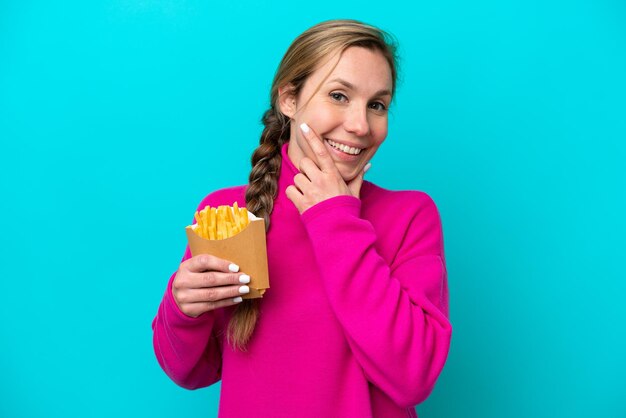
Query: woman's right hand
{"points": [[206, 282]]}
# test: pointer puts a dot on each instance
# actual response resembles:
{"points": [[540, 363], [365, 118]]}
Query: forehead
{"points": [[368, 70]]}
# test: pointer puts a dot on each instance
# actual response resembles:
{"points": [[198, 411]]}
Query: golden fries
{"points": [[221, 222]]}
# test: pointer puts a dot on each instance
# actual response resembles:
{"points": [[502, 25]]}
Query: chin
{"points": [[347, 177]]}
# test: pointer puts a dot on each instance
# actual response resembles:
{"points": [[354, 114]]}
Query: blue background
{"points": [[117, 117]]}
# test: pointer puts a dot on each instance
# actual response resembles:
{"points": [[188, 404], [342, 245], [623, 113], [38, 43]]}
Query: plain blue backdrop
{"points": [[118, 117]]}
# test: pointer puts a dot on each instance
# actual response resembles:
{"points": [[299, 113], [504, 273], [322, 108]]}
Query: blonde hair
{"points": [[303, 57]]}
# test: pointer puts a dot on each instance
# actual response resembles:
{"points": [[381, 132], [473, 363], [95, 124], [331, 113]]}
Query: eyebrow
{"points": [[351, 86]]}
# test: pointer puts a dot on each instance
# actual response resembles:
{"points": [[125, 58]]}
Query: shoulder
{"points": [[226, 196], [404, 220], [408, 202]]}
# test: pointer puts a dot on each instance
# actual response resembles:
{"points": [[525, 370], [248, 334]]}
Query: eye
{"points": [[379, 106], [338, 97]]}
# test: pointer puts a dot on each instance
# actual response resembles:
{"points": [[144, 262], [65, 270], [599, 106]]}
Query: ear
{"points": [[287, 100]]}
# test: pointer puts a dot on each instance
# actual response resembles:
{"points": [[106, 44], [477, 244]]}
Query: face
{"points": [[348, 111]]}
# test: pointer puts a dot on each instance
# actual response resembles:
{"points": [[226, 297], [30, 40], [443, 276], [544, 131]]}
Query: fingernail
{"points": [[233, 267], [237, 299], [244, 278], [244, 289], [367, 167], [305, 128]]}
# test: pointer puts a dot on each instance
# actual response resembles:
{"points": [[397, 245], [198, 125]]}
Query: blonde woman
{"points": [[356, 321]]}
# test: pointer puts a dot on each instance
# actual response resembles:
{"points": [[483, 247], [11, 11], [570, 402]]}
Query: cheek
{"points": [[379, 130], [324, 117]]}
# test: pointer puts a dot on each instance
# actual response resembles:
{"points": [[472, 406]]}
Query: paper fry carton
{"points": [[247, 249]]}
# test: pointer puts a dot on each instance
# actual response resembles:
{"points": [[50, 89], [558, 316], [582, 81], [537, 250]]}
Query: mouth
{"points": [[345, 149]]}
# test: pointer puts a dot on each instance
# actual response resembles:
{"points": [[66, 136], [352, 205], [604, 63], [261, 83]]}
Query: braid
{"points": [[266, 161], [260, 195]]}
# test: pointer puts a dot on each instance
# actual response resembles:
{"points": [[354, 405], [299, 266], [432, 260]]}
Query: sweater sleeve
{"points": [[186, 347], [395, 317]]}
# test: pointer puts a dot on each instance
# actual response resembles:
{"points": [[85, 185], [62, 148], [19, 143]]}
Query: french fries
{"points": [[221, 222]]}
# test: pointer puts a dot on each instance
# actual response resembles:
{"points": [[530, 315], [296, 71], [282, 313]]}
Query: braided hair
{"points": [[260, 195]]}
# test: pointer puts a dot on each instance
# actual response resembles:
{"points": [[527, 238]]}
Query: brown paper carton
{"points": [[247, 249]]}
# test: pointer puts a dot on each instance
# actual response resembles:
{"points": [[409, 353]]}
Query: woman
{"points": [[356, 321]]}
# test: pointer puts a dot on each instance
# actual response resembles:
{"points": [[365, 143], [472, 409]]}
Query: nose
{"points": [[356, 121]]}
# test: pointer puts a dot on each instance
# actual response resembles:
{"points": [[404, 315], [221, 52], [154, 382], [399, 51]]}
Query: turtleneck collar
{"points": [[287, 173], [285, 154]]}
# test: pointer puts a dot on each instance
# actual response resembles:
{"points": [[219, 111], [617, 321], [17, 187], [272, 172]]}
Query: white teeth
{"points": [[345, 148]]}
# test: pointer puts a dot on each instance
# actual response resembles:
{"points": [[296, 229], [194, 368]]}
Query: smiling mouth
{"points": [[344, 148]]}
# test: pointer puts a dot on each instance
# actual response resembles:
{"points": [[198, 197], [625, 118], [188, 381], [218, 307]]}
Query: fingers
{"points": [[296, 197], [355, 184], [210, 295], [196, 293], [301, 181], [212, 279], [324, 159], [198, 308], [292, 193], [206, 262], [308, 168]]}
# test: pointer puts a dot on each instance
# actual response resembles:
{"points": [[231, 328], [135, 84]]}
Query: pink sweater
{"points": [[355, 323]]}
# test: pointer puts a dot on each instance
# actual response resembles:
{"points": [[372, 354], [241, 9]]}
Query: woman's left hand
{"points": [[316, 183]]}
